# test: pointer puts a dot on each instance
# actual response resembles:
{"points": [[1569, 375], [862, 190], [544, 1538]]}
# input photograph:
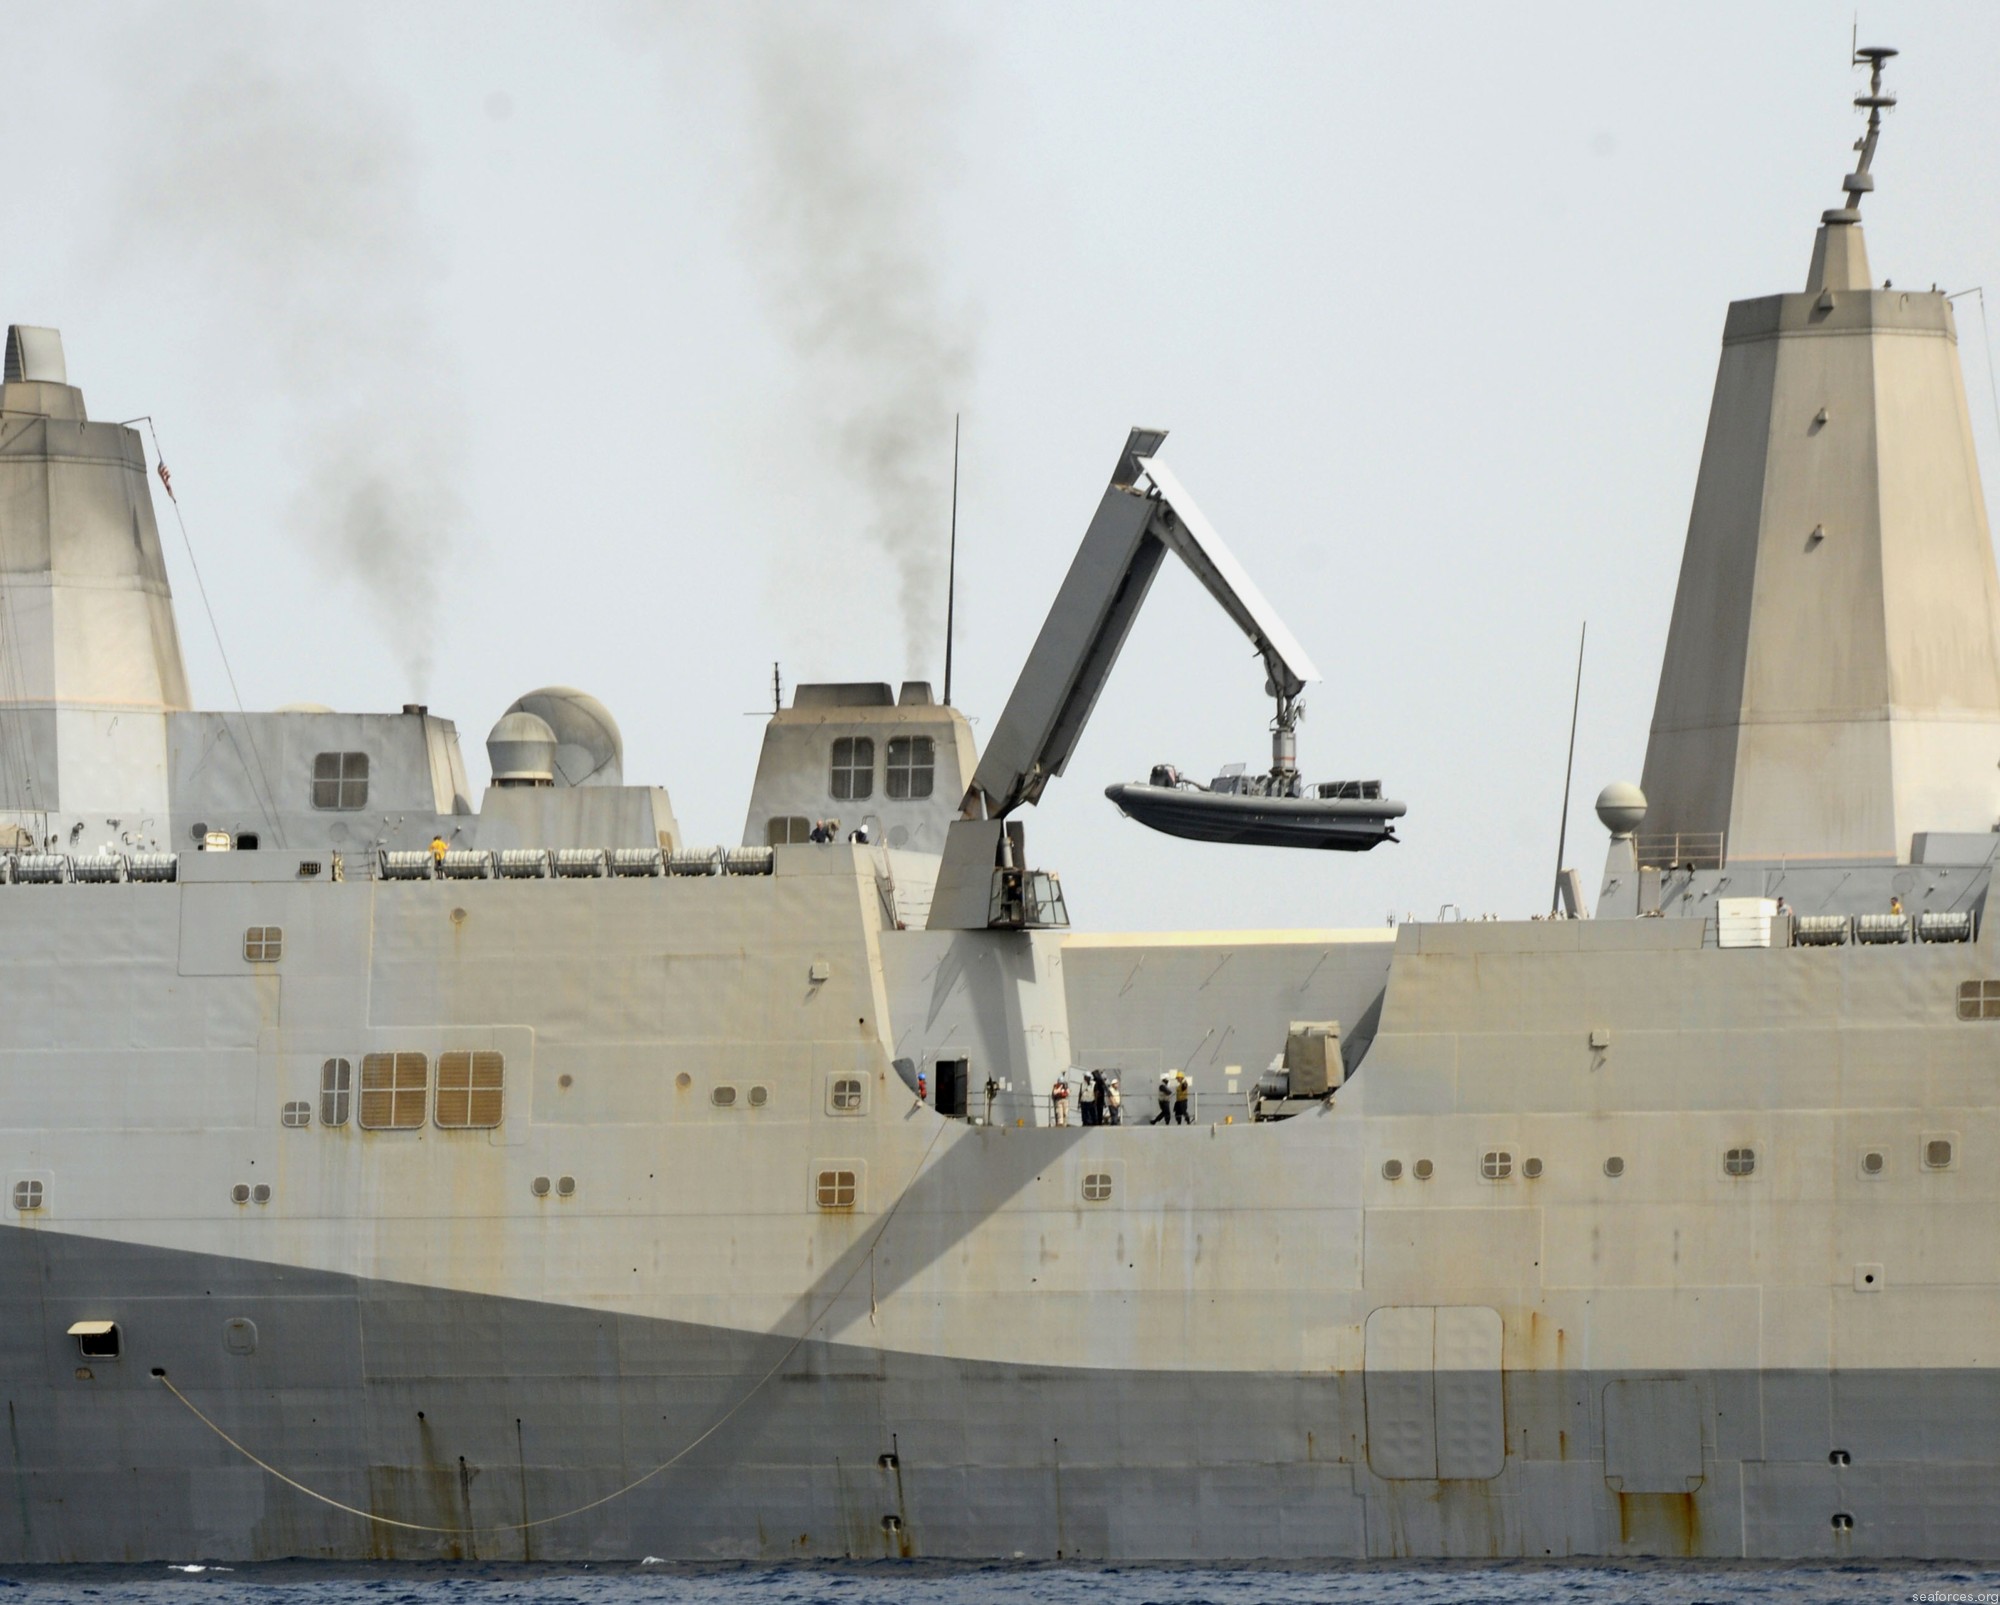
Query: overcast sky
{"points": [[618, 346]]}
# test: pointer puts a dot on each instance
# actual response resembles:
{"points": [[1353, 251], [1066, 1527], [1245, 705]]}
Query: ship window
{"points": [[912, 767], [759, 1096], [1872, 1163], [27, 1195], [1096, 1186], [1614, 1166], [1422, 1169], [1979, 1000], [1937, 1153], [539, 1186], [246, 841], [1496, 1164], [836, 1189], [340, 780], [565, 1186], [1740, 1162], [96, 1340], [844, 1096], [260, 1194], [722, 1097], [1392, 1169], [469, 1090], [853, 767], [1531, 1168], [784, 829], [336, 1087], [240, 1193], [392, 1091], [296, 1115], [264, 944]]}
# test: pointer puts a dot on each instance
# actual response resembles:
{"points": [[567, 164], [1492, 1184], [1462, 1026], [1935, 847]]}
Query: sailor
{"points": [[823, 830], [1166, 1114], [1896, 906], [1181, 1086], [859, 834], [1059, 1099], [1086, 1098], [439, 847], [1111, 1109], [923, 1087]]}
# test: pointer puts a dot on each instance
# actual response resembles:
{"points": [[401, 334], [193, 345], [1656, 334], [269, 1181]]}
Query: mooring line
{"points": [[681, 1454]]}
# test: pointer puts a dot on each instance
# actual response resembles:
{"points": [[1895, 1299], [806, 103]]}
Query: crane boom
{"points": [[1145, 513]]}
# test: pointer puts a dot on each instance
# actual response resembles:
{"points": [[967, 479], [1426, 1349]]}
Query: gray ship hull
{"points": [[474, 1414]]}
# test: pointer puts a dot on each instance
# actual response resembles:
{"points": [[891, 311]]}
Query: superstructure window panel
{"points": [[263, 944], [340, 781], [336, 1091], [853, 774], [912, 767], [837, 1185], [1979, 1000], [393, 1091], [846, 1095], [469, 1090]]}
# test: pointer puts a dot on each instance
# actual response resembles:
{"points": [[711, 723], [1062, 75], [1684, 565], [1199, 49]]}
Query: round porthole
{"points": [[1392, 1169], [1531, 1168], [565, 1186], [684, 1081], [539, 1186], [1422, 1169], [1614, 1166], [1872, 1163], [240, 1193]]}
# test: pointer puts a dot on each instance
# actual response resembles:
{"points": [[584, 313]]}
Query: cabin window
{"points": [[844, 1094], [784, 829], [1739, 1162], [260, 1194], [240, 1193], [468, 1090], [296, 1115], [1422, 1170], [1496, 1164], [565, 1186], [1872, 1163], [97, 1340], [1614, 1166], [1532, 1169], [759, 1096], [1979, 1000], [392, 1091], [853, 767], [264, 944], [1096, 1186], [1937, 1153], [340, 780], [27, 1195], [336, 1087], [539, 1186], [1392, 1170], [912, 766], [836, 1189], [722, 1097]]}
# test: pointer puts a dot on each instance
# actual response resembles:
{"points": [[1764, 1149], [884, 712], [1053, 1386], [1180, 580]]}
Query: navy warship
{"points": [[394, 1173]]}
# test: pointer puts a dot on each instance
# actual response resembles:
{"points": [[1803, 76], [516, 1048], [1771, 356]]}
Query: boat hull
{"points": [[1326, 824]]}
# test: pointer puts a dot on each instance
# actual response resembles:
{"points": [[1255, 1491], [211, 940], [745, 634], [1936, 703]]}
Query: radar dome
{"points": [[589, 749], [522, 750], [1620, 807]]}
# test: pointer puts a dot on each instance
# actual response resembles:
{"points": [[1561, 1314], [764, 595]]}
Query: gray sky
{"points": [[617, 346]]}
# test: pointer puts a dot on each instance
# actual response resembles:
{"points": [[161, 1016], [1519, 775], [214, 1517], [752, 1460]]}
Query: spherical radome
{"points": [[589, 749], [1620, 807]]}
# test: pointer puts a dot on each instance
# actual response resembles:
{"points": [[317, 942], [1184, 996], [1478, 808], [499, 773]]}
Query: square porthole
{"points": [[97, 1340], [1874, 1163], [295, 1115], [1739, 1162], [838, 1185], [846, 1094], [1496, 1164], [1938, 1150]]}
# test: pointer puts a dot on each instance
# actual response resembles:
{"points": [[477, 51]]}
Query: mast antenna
{"points": [[1569, 770], [1859, 182], [951, 569]]}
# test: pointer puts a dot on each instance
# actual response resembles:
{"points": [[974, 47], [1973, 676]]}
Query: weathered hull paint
{"points": [[475, 1413]]}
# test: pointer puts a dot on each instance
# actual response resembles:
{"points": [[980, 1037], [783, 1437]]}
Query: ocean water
{"points": [[922, 1583]]}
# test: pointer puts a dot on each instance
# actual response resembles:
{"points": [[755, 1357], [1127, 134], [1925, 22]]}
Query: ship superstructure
{"points": [[390, 1175]]}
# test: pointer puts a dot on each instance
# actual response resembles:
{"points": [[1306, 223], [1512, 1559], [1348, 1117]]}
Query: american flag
{"points": [[167, 480]]}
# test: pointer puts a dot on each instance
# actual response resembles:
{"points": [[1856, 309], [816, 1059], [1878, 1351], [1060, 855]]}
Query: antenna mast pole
{"points": [[951, 570], [1569, 769]]}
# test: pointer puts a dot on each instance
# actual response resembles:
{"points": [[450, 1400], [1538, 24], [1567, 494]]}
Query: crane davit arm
{"points": [[1145, 513], [984, 881]]}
